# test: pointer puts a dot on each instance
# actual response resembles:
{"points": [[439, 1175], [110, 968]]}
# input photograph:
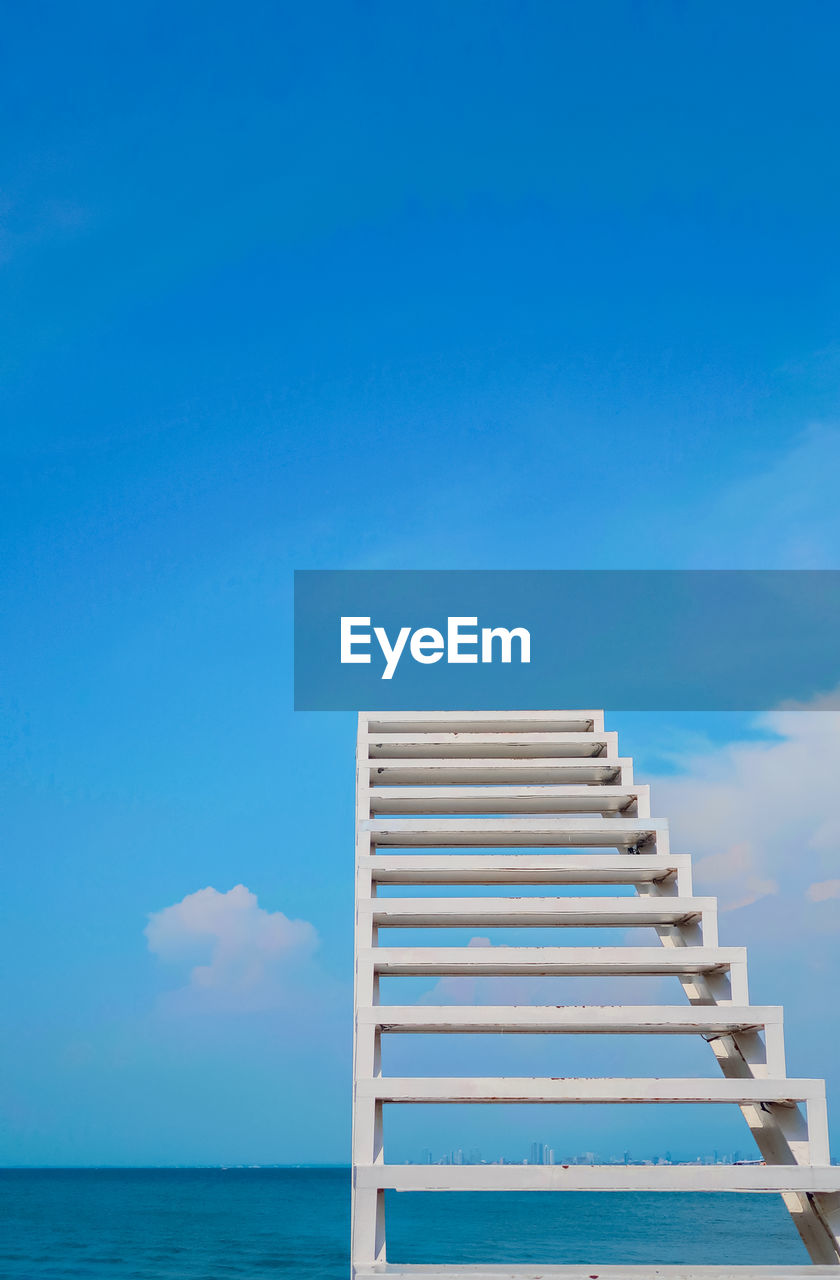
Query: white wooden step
{"points": [[521, 832], [708, 1020], [528, 868], [508, 799], [374, 722], [393, 746], [660, 1178], [557, 912], [589, 1271], [552, 961], [421, 772], [588, 1089]]}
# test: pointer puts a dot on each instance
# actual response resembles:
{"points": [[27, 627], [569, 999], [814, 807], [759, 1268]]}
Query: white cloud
{"points": [[736, 869], [236, 951], [823, 890], [761, 817]]}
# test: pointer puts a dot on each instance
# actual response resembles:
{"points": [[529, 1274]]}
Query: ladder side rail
{"points": [[781, 1134], [367, 1211]]}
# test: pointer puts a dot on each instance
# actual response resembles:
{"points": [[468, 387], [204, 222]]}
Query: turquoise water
{"points": [[244, 1224]]}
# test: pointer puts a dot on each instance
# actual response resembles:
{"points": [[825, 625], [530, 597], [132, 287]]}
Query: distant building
{"points": [[541, 1153]]}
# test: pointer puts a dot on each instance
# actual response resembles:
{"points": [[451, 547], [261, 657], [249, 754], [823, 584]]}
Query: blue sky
{"points": [[367, 286]]}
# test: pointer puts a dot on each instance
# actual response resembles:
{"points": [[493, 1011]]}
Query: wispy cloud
{"points": [[761, 816], [784, 515], [823, 890]]}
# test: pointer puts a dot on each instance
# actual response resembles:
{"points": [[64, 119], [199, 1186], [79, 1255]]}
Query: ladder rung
{"points": [[588, 1270], [505, 799], [501, 1089], [526, 868], [523, 832], [393, 746], [512, 1177], [419, 772], [547, 961], [550, 912], [709, 1020], [483, 722]]}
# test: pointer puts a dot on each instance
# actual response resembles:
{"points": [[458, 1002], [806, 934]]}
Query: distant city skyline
{"points": [[541, 1153]]}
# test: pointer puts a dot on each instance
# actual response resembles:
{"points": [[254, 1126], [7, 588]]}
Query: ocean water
{"points": [[245, 1224]]}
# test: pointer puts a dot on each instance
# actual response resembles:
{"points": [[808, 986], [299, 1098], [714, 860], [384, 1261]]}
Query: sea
{"points": [[250, 1224]]}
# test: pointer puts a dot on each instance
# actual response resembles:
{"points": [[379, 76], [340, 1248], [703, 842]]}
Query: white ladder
{"points": [[538, 783]]}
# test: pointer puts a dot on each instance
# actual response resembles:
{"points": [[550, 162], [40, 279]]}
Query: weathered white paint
{"points": [[574, 1089], [544, 912], [456, 781], [556, 798], [632, 834], [574, 1019], [535, 962], [671, 874], [757, 1179], [590, 1271], [511, 769], [543, 745], [373, 722]]}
